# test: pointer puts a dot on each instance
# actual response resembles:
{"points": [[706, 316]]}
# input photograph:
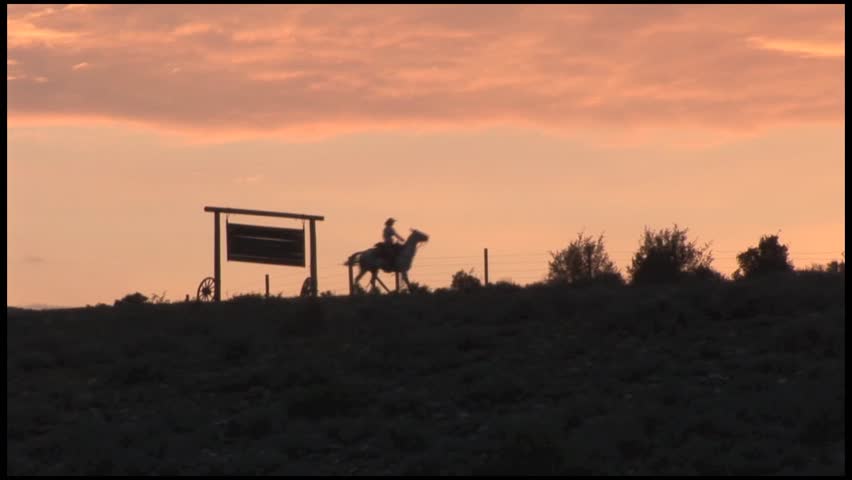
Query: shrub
{"points": [[248, 297], [581, 262], [606, 279], [505, 285], [159, 299], [706, 273], [836, 267], [667, 256], [132, 299], [464, 281], [415, 287], [770, 256], [833, 266]]}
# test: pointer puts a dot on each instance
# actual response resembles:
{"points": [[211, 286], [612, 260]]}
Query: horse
{"points": [[371, 261]]}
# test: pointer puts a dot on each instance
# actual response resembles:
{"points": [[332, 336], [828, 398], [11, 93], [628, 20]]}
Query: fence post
{"points": [[267, 285], [486, 266]]}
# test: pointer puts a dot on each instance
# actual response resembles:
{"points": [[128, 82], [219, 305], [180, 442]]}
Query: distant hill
{"points": [[701, 379], [38, 306]]}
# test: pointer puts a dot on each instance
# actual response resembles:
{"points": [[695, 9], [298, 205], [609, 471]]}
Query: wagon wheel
{"points": [[206, 289], [306, 287]]}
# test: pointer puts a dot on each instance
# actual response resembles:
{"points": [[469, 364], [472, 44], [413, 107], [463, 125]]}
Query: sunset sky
{"points": [[504, 126]]}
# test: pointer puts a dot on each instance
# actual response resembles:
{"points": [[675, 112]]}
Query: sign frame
{"points": [[217, 268]]}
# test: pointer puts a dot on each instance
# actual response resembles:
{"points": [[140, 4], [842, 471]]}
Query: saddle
{"points": [[389, 252]]}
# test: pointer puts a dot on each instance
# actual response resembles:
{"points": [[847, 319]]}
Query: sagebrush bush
{"points": [[465, 281], [583, 261], [505, 285], [419, 288], [132, 299], [667, 256], [769, 257]]}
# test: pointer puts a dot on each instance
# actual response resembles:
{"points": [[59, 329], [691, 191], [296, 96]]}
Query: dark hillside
{"points": [[705, 378]]}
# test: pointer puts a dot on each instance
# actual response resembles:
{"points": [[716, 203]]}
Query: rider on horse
{"points": [[389, 248]]}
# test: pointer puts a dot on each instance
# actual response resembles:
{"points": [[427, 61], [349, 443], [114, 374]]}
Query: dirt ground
{"points": [[706, 378]]}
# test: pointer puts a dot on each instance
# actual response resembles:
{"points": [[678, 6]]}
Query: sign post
{"points": [[217, 261], [314, 289]]}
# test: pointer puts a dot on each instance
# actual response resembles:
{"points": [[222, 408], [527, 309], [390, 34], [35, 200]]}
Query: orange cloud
{"points": [[193, 29], [806, 48], [222, 70], [24, 31]]}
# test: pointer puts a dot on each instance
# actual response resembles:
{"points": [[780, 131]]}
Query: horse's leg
{"points": [[360, 274], [383, 284], [405, 279], [356, 282], [373, 281]]}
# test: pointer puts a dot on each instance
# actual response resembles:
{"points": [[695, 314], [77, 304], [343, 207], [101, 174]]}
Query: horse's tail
{"points": [[352, 259]]}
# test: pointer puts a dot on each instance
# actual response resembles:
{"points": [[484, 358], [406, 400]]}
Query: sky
{"points": [[507, 127]]}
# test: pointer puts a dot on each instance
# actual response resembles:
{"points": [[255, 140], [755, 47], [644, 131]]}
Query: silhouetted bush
{"points": [[418, 288], [505, 285], [464, 281], [248, 297], [614, 279], [583, 261], [667, 256], [833, 266], [132, 299], [770, 256], [537, 285], [706, 273], [836, 267], [159, 299]]}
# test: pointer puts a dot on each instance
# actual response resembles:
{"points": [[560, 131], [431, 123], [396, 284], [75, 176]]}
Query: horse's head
{"points": [[417, 236]]}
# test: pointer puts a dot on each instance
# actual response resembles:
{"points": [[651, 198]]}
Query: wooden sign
{"points": [[258, 244]]}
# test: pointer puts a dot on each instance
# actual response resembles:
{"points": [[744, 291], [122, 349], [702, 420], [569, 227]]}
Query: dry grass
{"points": [[696, 379]]}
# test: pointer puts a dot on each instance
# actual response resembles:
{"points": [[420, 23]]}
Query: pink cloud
{"points": [[270, 69]]}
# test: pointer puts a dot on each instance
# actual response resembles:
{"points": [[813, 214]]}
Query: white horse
{"points": [[371, 260]]}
